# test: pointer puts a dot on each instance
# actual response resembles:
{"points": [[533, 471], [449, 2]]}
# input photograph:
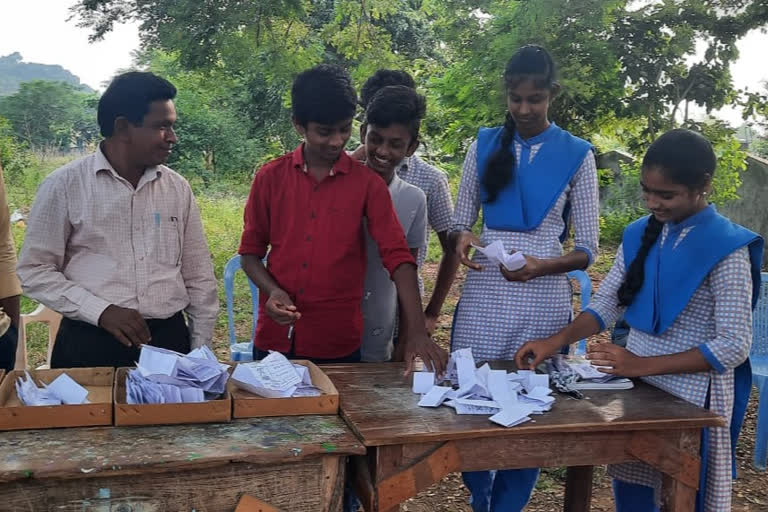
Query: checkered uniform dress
{"points": [[496, 317], [719, 315]]}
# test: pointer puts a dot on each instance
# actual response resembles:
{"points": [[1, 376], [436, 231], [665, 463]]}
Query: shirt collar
{"points": [[342, 166], [102, 164], [537, 139]]}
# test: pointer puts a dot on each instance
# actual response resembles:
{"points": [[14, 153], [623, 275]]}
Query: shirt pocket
{"points": [[166, 239]]}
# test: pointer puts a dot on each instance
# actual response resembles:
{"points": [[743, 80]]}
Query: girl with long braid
{"points": [[687, 279], [531, 179]]}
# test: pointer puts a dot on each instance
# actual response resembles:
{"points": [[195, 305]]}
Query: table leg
{"points": [[578, 489]]}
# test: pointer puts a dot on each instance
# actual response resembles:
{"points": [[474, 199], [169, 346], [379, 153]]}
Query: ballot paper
{"points": [[164, 377], [579, 373], [423, 382], [62, 390], [434, 397], [275, 377], [496, 253], [511, 416], [508, 398]]}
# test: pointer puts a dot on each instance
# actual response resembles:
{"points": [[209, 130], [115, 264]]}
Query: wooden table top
{"points": [[378, 404], [112, 451]]}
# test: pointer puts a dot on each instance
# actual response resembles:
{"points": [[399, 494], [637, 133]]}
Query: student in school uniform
{"points": [[531, 178], [114, 240], [308, 206], [392, 122], [686, 279], [434, 183]]}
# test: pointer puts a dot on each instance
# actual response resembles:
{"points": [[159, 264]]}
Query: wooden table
{"points": [[411, 447], [293, 463]]}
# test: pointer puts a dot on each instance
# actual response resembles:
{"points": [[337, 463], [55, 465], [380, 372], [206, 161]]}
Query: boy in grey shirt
{"points": [[393, 118]]}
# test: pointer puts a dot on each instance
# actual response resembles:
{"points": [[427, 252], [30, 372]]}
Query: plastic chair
{"points": [[758, 356], [40, 314], [242, 351], [585, 288]]}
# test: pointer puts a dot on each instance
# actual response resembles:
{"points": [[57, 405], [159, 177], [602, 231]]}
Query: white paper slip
{"points": [[616, 384], [539, 393], [473, 409], [67, 390], [157, 361], [192, 395], [478, 403], [423, 382], [305, 390], [245, 377], [498, 385], [434, 397], [512, 416], [497, 255], [275, 372], [536, 380]]}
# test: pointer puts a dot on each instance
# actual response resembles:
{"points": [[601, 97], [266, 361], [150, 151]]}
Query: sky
{"points": [[39, 30]]}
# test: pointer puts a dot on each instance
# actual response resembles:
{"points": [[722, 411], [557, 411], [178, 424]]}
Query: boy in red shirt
{"points": [[307, 207]]}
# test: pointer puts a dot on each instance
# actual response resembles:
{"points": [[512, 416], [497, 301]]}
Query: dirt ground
{"points": [[750, 493]]}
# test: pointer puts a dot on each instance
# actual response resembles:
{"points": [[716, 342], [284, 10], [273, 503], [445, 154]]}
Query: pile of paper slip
{"points": [[498, 256], [510, 398], [63, 390], [274, 377], [576, 372], [167, 377]]}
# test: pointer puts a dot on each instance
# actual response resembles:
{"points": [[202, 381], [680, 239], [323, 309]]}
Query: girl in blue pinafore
{"points": [[531, 179], [686, 279]]}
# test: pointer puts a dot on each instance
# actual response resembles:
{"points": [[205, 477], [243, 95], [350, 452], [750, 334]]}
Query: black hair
{"points": [[129, 96], [532, 62], [397, 104], [383, 78], [686, 158], [323, 94]]}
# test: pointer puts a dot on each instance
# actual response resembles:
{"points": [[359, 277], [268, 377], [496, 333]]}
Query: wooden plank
{"points": [[682, 465], [418, 476], [89, 452], [250, 504], [578, 489], [299, 486], [678, 495], [377, 403]]}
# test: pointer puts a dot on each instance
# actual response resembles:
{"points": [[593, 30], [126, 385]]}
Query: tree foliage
{"points": [[51, 115], [623, 63]]}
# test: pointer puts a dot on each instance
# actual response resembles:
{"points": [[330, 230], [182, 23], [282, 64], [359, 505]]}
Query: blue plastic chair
{"points": [[585, 287], [242, 351], [758, 356]]}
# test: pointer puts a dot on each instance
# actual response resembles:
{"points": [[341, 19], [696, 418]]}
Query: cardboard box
{"points": [[248, 405], [98, 381], [212, 411]]}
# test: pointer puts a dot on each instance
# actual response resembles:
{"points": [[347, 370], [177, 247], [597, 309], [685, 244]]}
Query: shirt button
{"points": [[141, 259], [313, 215], [304, 265], [309, 238], [301, 291]]}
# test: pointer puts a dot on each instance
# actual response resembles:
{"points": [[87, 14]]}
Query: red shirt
{"points": [[317, 249]]}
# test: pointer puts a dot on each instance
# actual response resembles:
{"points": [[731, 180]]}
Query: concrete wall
{"points": [[751, 209]]}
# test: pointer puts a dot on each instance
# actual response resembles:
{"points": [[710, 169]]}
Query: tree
{"points": [[51, 115]]}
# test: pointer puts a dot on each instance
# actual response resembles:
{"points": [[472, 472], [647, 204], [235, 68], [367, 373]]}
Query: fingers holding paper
{"points": [[435, 358], [533, 353], [530, 269], [465, 241], [281, 309]]}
